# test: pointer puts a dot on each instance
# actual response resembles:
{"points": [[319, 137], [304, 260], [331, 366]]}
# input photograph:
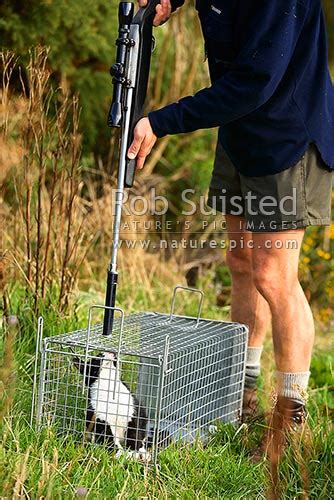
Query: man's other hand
{"points": [[163, 11], [143, 142]]}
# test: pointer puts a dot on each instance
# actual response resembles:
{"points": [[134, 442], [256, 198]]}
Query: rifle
{"points": [[130, 76]]}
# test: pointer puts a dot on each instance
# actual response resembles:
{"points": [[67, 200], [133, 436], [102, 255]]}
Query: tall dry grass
{"points": [[58, 212], [41, 191]]}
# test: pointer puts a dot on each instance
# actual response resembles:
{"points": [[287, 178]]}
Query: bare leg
{"points": [[275, 266], [248, 305], [276, 278]]}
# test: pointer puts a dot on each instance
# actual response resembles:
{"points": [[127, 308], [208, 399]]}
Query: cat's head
{"points": [[94, 366], [109, 359]]}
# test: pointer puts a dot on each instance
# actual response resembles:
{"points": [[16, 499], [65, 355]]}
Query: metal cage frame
{"points": [[159, 357]]}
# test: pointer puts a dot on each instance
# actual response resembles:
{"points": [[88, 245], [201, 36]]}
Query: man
{"points": [[273, 99]]}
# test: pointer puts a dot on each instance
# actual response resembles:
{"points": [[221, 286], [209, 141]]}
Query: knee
{"points": [[270, 279], [265, 284], [239, 263]]}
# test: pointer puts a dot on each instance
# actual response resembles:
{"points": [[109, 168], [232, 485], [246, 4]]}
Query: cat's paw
{"points": [[213, 429], [122, 453], [144, 455]]}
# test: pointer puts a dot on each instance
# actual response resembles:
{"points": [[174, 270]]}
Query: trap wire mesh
{"points": [[158, 378]]}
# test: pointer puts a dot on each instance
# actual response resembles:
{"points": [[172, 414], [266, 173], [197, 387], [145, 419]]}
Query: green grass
{"points": [[36, 465], [40, 464]]}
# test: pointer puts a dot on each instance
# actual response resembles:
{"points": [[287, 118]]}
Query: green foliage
{"points": [[81, 36], [317, 269], [322, 370]]}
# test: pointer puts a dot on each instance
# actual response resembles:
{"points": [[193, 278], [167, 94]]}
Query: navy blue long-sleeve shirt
{"points": [[271, 92]]}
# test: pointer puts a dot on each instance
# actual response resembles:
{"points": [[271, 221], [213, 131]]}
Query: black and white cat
{"points": [[114, 415]]}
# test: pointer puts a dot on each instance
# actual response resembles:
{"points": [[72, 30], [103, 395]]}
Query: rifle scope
{"points": [[117, 70]]}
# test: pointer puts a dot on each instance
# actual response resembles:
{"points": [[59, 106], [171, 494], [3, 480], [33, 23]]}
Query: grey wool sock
{"points": [[293, 385], [253, 368]]}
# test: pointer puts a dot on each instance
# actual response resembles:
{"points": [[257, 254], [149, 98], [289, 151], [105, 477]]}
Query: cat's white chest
{"points": [[112, 404]]}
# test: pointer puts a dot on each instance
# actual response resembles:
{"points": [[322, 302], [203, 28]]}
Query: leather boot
{"points": [[250, 406]]}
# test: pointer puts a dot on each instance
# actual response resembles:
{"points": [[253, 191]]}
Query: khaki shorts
{"points": [[297, 197]]}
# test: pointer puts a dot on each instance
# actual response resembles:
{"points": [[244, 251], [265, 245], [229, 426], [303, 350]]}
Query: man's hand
{"points": [[163, 11], [143, 142]]}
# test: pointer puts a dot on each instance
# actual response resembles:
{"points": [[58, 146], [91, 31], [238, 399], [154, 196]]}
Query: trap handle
{"points": [[187, 289]]}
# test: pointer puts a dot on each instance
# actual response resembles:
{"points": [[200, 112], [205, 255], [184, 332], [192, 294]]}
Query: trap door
{"points": [[61, 401]]}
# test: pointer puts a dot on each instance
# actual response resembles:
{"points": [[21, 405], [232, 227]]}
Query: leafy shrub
{"points": [[317, 270], [81, 36]]}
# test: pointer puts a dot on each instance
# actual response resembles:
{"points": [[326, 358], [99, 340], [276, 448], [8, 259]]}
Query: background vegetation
{"points": [[57, 174]]}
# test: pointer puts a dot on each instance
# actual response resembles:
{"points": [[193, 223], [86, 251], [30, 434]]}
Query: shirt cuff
{"points": [[166, 121]]}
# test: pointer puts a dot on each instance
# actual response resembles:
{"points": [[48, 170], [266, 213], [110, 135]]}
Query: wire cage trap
{"points": [[156, 379]]}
